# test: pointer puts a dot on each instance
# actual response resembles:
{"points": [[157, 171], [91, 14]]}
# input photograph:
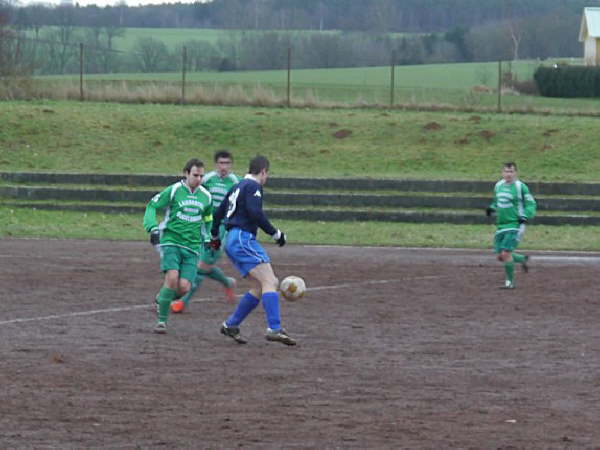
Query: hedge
{"points": [[568, 81]]}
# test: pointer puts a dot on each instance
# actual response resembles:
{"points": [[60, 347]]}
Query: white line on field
{"points": [[339, 286], [87, 313], [206, 299]]}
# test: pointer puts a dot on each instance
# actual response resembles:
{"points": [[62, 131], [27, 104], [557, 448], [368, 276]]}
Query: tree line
{"points": [[45, 40], [407, 16]]}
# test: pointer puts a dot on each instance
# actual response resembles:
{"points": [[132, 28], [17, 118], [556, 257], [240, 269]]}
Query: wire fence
{"points": [[153, 74]]}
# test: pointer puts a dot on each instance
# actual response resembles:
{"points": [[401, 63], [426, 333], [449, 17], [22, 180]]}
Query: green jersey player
{"points": [[218, 183], [188, 211], [514, 207]]}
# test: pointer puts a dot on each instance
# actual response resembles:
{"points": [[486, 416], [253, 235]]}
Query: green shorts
{"points": [[507, 240], [180, 259]]}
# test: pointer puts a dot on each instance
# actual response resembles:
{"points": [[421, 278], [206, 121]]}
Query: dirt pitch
{"points": [[398, 348]]}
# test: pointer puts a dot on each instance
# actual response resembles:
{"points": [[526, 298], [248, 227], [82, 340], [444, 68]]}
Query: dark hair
{"points": [[223, 154], [257, 164], [509, 165], [191, 163]]}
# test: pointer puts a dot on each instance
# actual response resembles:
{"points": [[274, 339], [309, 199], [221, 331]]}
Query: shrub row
{"points": [[568, 81]]}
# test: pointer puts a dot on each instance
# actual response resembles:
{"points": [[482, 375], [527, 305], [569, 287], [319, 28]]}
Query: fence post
{"points": [[183, 67], [289, 77], [80, 71], [392, 77], [499, 86]]}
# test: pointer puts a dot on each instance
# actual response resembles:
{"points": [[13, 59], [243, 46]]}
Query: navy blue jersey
{"points": [[242, 208]]}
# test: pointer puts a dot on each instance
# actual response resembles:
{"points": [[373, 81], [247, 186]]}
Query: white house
{"points": [[589, 34]]}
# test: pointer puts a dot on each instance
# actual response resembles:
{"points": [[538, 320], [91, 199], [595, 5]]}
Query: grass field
{"points": [[17, 222], [112, 138]]}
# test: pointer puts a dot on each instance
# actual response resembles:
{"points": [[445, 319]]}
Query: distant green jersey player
{"points": [[218, 183], [188, 216], [514, 206]]}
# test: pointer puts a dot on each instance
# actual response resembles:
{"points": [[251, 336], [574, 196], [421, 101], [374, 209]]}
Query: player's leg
{"points": [[165, 296], [246, 305], [207, 268], [518, 257], [181, 304], [269, 283], [187, 273], [509, 268], [504, 244], [170, 263], [242, 261], [521, 259]]}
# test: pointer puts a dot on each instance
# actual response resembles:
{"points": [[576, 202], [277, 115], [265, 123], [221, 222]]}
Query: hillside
{"points": [[118, 138]]}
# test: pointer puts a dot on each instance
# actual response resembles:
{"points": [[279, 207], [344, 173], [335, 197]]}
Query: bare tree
{"points": [[152, 55], [515, 31]]}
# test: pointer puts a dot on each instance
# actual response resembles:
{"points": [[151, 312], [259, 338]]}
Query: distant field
{"points": [[172, 37], [434, 84], [431, 76]]}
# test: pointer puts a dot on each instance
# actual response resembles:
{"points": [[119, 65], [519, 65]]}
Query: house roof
{"points": [[590, 24]]}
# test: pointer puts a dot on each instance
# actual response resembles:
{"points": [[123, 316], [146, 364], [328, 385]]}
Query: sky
{"points": [[107, 2]]}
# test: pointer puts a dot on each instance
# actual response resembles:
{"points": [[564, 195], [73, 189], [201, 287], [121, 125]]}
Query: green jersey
{"points": [[511, 202], [219, 187], [188, 216]]}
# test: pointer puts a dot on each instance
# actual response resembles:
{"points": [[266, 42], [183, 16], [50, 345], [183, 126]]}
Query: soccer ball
{"points": [[292, 287]]}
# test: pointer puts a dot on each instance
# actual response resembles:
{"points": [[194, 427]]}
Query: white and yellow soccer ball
{"points": [[292, 287]]}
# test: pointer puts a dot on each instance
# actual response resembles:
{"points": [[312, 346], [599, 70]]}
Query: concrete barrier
{"points": [[285, 199], [354, 184]]}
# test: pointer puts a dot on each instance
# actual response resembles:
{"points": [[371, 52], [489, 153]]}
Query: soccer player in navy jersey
{"points": [[242, 212]]}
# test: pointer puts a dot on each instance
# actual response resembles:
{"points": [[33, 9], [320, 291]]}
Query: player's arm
{"points": [[256, 213], [159, 201], [491, 209], [530, 204], [218, 215], [207, 220]]}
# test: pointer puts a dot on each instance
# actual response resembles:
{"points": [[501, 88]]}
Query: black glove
{"points": [[155, 236], [489, 211], [279, 238], [522, 220], [215, 243]]}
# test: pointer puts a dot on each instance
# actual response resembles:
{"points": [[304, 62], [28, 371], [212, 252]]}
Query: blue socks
{"points": [[247, 303], [270, 302]]}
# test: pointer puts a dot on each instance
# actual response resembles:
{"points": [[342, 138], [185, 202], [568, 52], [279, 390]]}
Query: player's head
{"points": [[193, 171], [259, 168], [223, 162], [509, 171]]}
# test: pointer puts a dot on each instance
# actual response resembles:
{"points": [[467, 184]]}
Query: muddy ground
{"points": [[398, 348]]}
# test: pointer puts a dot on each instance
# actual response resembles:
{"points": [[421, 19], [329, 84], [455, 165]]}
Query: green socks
{"points": [[218, 275], [195, 285], [509, 269], [518, 258], [165, 297], [215, 273]]}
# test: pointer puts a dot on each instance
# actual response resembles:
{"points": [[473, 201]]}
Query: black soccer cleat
{"points": [[233, 333], [279, 336]]}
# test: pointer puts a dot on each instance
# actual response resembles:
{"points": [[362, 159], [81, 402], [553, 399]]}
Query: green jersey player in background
{"points": [[514, 207], [188, 211], [218, 183]]}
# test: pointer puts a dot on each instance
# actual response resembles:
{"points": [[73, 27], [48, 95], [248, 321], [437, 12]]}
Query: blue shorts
{"points": [[244, 251]]}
